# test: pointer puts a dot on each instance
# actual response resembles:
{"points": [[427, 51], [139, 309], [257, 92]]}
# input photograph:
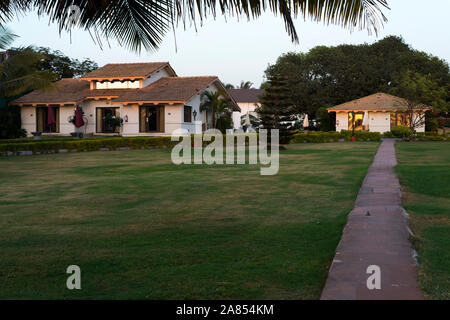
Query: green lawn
{"points": [[140, 227], [424, 170]]}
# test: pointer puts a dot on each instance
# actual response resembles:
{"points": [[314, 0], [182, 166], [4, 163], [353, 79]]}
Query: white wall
{"points": [[132, 126], [248, 107], [155, 77], [341, 121], [28, 115], [378, 122]]}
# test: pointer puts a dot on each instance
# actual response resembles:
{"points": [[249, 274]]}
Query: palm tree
{"points": [[229, 86], [246, 85], [6, 38], [143, 23], [19, 74], [219, 107]]}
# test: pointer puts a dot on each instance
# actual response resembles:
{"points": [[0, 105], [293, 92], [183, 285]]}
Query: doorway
{"points": [[151, 119]]}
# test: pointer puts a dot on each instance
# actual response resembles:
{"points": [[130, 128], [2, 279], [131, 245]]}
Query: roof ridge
{"points": [[191, 77], [136, 62]]}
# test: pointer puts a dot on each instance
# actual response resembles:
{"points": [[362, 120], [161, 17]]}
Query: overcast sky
{"points": [[241, 50]]}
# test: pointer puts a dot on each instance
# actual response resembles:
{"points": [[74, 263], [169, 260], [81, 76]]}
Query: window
{"points": [[117, 84], [359, 116], [44, 122], [187, 114], [399, 119]]}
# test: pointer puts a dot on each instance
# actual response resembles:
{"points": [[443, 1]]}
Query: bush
{"points": [[323, 137], [316, 137], [10, 123], [361, 135], [431, 138], [403, 132], [54, 145], [388, 135]]}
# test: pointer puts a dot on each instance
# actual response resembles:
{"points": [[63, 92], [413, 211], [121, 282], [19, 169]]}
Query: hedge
{"points": [[431, 138], [56, 145], [324, 137]]}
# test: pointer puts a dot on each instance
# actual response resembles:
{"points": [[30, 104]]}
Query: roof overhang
{"points": [[389, 109], [35, 104], [170, 102], [121, 79]]}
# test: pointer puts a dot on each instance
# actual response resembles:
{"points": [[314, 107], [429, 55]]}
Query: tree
{"points": [[229, 86], [276, 110], [328, 76], [143, 24], [219, 107], [27, 69], [327, 121], [420, 91], [19, 74], [246, 85], [62, 65]]}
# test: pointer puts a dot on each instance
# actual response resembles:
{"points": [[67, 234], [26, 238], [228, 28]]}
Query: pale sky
{"points": [[241, 50]]}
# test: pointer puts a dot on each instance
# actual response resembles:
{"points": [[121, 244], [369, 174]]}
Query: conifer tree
{"points": [[276, 110]]}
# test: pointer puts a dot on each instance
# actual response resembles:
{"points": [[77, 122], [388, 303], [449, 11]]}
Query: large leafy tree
{"points": [[327, 76], [141, 24], [62, 65], [421, 91]]}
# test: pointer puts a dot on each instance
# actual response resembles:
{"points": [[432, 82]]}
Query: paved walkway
{"points": [[376, 234]]}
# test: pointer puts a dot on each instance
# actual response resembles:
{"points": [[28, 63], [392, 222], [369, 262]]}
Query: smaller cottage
{"points": [[383, 112]]}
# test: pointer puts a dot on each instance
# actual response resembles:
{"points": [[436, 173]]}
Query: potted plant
{"points": [[114, 121]]}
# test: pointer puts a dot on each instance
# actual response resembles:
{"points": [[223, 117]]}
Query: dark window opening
{"points": [[187, 114], [45, 122], [151, 119]]}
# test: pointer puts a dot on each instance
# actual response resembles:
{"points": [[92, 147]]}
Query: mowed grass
{"points": [[141, 227], [424, 170]]}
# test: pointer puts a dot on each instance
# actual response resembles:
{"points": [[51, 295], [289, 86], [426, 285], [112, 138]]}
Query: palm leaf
{"points": [[141, 24], [6, 38]]}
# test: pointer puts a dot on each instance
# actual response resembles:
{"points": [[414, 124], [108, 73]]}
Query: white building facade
{"points": [[149, 97], [379, 112]]}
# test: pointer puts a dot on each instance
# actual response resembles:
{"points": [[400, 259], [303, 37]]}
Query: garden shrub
{"points": [[361, 135], [94, 144], [323, 137], [91, 144], [431, 138], [403, 132]]}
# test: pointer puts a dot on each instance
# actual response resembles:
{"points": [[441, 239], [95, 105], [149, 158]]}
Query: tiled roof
{"points": [[246, 95], [65, 91], [124, 70], [377, 101], [176, 89], [180, 89]]}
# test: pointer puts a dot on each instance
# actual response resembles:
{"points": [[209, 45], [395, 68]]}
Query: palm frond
{"points": [[139, 24], [6, 38]]}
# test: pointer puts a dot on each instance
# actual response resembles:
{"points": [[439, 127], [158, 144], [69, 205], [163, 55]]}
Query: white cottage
{"points": [[383, 111], [149, 97]]}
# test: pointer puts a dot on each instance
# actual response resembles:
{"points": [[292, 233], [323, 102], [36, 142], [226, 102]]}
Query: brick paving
{"points": [[376, 233]]}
